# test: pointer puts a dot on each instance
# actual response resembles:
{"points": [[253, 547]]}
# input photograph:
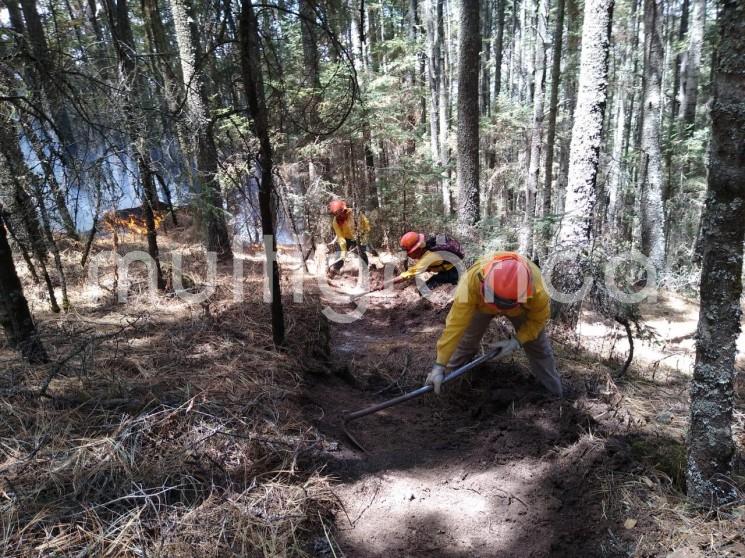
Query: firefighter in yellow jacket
{"points": [[349, 235], [503, 284], [428, 257]]}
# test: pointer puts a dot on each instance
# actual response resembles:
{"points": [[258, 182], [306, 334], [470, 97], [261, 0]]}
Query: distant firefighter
{"points": [[351, 234]]}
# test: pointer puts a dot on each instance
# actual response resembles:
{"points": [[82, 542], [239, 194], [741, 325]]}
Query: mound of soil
{"points": [[493, 467]]}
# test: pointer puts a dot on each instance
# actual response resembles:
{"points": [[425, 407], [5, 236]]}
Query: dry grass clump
{"points": [[161, 429]]}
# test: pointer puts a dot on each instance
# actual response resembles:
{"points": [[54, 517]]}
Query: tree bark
{"points": [[588, 125], [574, 34], [486, 40], [536, 141], [197, 98], [15, 316], [434, 48], [553, 110], [43, 84], [172, 89], [121, 31], [710, 444], [652, 212], [692, 64], [468, 116], [616, 165], [577, 227], [254, 83], [310, 60], [445, 112], [499, 49]]}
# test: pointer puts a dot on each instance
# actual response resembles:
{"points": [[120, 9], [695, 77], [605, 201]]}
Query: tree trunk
{"points": [[468, 116], [444, 108], [310, 60], [14, 176], [254, 83], [197, 98], [536, 141], [588, 125], [710, 444], [434, 48], [652, 213], [51, 243], [574, 34], [499, 49], [692, 64], [121, 31], [587, 133], [15, 316], [553, 110], [41, 79], [172, 88], [21, 247], [677, 90], [486, 40]]}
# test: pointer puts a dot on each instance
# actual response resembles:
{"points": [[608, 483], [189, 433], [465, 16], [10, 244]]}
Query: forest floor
{"points": [[167, 428], [495, 467]]}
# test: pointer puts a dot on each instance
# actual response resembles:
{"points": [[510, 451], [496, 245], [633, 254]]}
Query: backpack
{"points": [[444, 243]]}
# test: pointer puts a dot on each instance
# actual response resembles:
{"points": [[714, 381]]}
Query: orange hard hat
{"points": [[411, 242], [507, 281], [337, 206]]}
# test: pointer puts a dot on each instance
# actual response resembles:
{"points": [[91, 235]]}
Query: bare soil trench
{"points": [[494, 467]]}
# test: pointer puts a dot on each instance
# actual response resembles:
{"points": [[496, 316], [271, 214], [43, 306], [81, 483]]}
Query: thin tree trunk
{"points": [[40, 76], [468, 116], [172, 89], [692, 65], [434, 48], [574, 35], [553, 110], [310, 61], [121, 31], [499, 49], [536, 141], [253, 81], [444, 111], [486, 40], [710, 445], [197, 99], [15, 316], [52, 243], [652, 213]]}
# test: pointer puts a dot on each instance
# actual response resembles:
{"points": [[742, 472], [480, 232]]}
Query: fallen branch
{"points": [[79, 348]]}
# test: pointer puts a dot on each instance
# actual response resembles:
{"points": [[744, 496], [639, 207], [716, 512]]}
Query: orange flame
{"points": [[132, 223]]}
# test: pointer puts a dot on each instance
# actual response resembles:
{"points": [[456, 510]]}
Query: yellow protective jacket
{"points": [[346, 230], [429, 261], [469, 300]]}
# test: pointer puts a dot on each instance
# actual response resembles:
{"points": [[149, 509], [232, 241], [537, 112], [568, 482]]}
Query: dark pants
{"points": [[446, 277], [351, 244]]}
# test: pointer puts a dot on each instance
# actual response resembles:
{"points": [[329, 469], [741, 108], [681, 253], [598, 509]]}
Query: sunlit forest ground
{"points": [[163, 428]]}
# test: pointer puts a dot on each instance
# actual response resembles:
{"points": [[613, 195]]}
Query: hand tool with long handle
{"points": [[355, 297], [412, 394]]}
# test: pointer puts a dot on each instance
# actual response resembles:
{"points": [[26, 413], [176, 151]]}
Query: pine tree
{"points": [[15, 316], [710, 444], [468, 116]]}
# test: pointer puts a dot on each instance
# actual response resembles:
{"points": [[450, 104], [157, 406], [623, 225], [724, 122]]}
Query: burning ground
{"points": [[168, 429]]}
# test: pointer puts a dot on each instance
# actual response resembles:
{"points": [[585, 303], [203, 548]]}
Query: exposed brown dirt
{"points": [[494, 467]]}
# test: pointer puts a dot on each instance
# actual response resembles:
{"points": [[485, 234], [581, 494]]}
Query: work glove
{"points": [[508, 346], [435, 377]]}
